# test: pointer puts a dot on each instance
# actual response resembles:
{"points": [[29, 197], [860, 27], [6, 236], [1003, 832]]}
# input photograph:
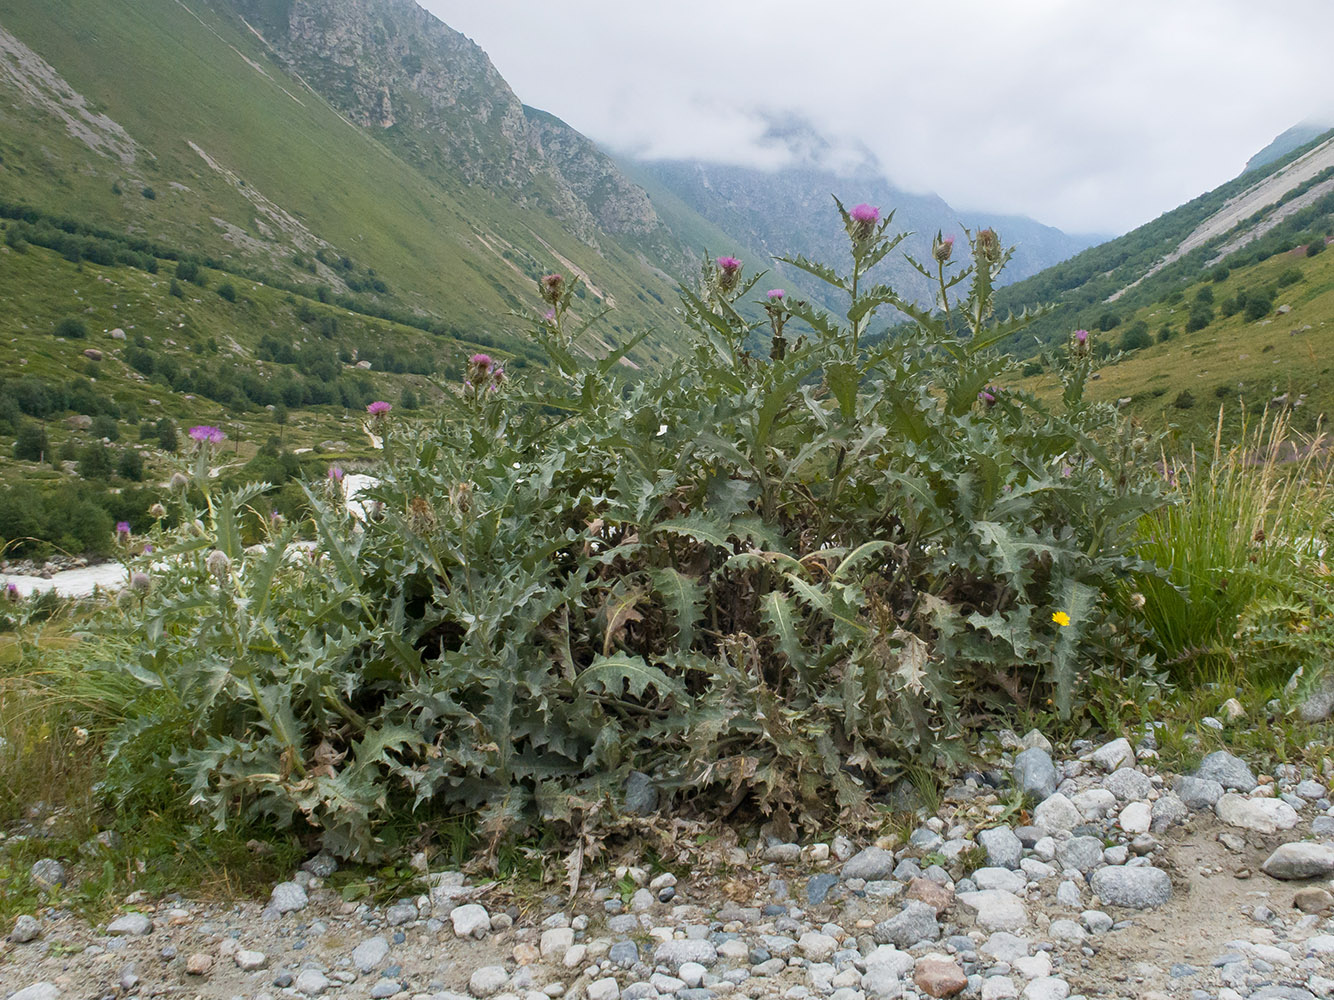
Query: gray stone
{"points": [[400, 914], [1067, 894], [1029, 835], [1127, 784], [871, 864], [641, 794], [1005, 947], [321, 865], [129, 925], [915, 922], [817, 888], [674, 954], [1115, 754], [48, 873], [1047, 988], [996, 910], [1323, 826], [625, 954], [470, 920], [1081, 853], [1094, 803], [1198, 793], [488, 980], [1136, 888], [1310, 790], [1228, 770], [249, 961], [1096, 922], [26, 928], [1004, 849], [1300, 861], [1168, 811], [385, 988], [1260, 815], [288, 897], [998, 878], [1034, 773], [1055, 813], [38, 991], [1318, 704], [368, 955], [603, 989], [1282, 993], [311, 982]]}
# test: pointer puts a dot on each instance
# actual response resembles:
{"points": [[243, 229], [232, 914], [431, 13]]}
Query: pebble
{"points": [[132, 924], [1034, 773], [48, 873], [995, 909], [470, 920], [1113, 755], [1300, 861], [487, 981], [674, 954], [1228, 770], [1056, 813], [871, 864], [249, 961], [939, 975], [1004, 849], [1135, 888], [198, 964], [26, 928], [38, 991], [368, 955], [288, 897], [311, 982]]}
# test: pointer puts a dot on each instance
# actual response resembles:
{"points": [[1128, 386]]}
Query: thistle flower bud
{"points": [[943, 248], [989, 396], [1080, 343], [140, 583], [729, 273], [125, 600], [988, 245], [864, 218], [178, 481], [12, 594], [122, 531], [552, 288], [157, 511], [218, 564]]}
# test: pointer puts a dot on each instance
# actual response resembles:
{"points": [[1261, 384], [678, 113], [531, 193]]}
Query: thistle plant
{"points": [[775, 585]]}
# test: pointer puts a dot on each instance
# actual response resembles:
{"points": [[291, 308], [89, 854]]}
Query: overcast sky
{"points": [[1090, 115]]}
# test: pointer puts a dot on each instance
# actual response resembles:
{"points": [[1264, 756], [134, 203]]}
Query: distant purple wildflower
{"points": [[989, 395], [729, 264], [776, 293], [379, 408], [12, 593], [335, 474], [482, 361], [1081, 337], [122, 530], [865, 213], [204, 433]]}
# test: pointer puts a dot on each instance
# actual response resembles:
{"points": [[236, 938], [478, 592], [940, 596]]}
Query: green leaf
{"points": [[780, 615], [619, 675], [684, 598], [700, 528]]}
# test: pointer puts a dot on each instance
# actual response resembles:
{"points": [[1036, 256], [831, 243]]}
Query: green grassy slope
{"points": [[172, 74], [1281, 360]]}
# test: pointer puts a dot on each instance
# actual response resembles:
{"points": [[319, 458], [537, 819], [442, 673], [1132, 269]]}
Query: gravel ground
{"points": [[1123, 882]]}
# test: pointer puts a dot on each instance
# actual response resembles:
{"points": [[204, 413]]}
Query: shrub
{"points": [[409, 399], [1201, 315], [1136, 337], [105, 426], [166, 434], [1205, 294], [149, 193], [1257, 307], [71, 328], [1315, 247], [32, 444], [1108, 321], [810, 572], [130, 465], [95, 461], [175, 290], [1032, 368], [1220, 273], [1185, 400], [228, 291], [1289, 277], [1166, 333]]}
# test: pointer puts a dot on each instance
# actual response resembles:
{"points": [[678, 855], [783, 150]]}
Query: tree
{"points": [[1185, 400], [32, 444], [1205, 294], [1257, 307], [1201, 315], [228, 291], [105, 426], [130, 465], [95, 461]]}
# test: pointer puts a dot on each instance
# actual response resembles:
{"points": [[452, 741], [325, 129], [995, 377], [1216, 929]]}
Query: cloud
{"points": [[1086, 115]]}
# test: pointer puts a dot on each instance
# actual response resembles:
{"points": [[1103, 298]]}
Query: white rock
{"points": [[249, 961], [556, 941], [665, 984], [1033, 967], [368, 955], [1110, 756], [999, 878], [1055, 813], [1050, 988], [998, 988], [603, 989], [996, 910], [311, 982], [470, 920], [1094, 803], [488, 981], [575, 956], [38, 991], [1260, 815], [288, 897], [817, 947], [691, 973], [1135, 818], [130, 924]]}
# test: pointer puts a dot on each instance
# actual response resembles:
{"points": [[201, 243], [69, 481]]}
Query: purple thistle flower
{"points": [[204, 433], [148, 550], [379, 408], [1081, 337], [122, 529], [729, 264], [12, 593], [550, 316], [989, 395], [335, 474], [482, 361], [865, 214], [776, 293]]}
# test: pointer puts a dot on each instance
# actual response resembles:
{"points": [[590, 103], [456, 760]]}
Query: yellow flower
{"points": [[1061, 618]]}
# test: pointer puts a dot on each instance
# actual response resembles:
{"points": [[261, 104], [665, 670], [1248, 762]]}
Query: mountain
{"points": [[1224, 302], [274, 136], [789, 210], [1285, 142]]}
